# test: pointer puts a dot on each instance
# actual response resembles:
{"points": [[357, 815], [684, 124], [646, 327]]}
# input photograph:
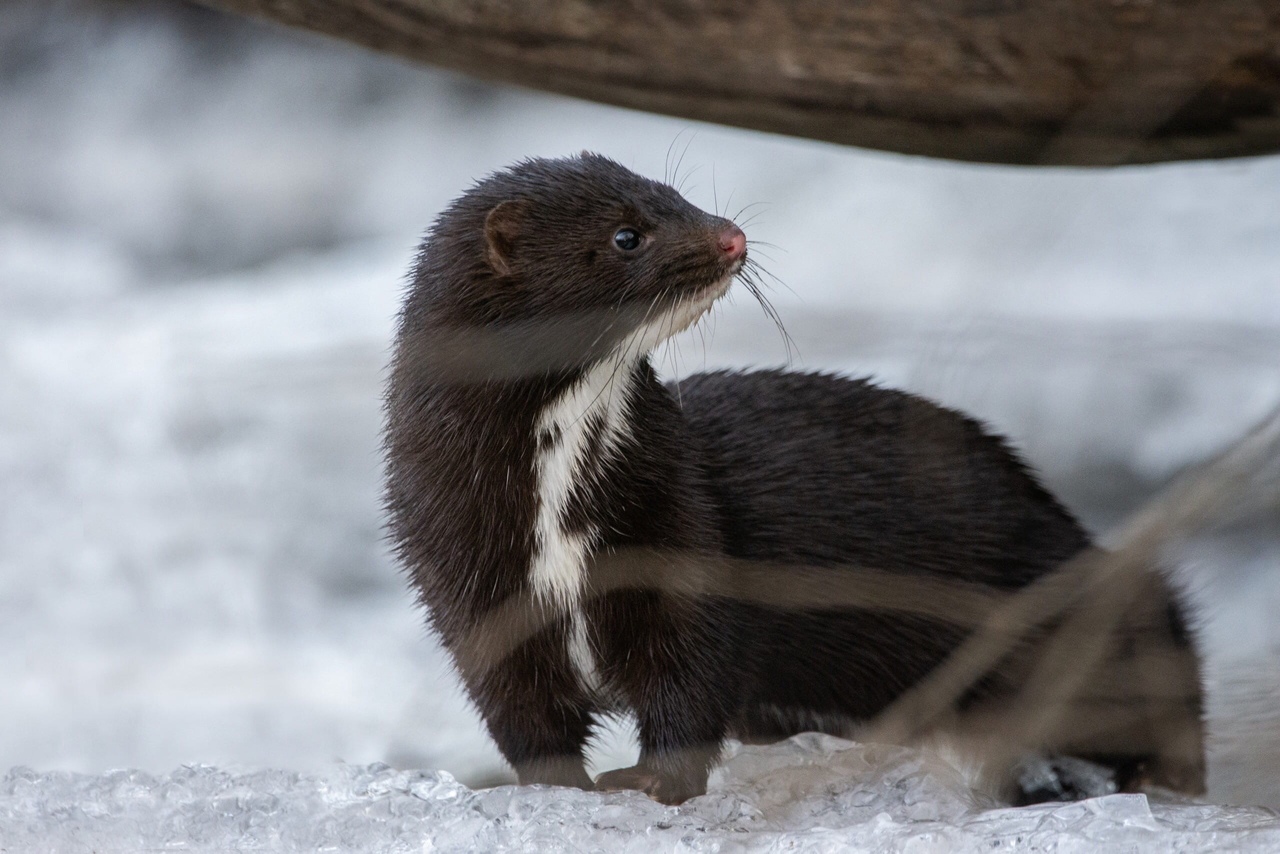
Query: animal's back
{"points": [[821, 470]]}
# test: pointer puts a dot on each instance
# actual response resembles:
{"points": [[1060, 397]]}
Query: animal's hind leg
{"points": [[1138, 712], [1038, 779]]}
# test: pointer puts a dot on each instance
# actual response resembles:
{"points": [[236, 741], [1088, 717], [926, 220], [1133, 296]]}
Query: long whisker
{"points": [[748, 207], [758, 216], [622, 359], [702, 336], [756, 273], [714, 200], [666, 163], [750, 278], [764, 254], [728, 202], [759, 270], [676, 173], [619, 311], [673, 350]]}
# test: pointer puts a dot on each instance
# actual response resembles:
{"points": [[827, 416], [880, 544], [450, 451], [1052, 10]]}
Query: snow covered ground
{"points": [[204, 226]]}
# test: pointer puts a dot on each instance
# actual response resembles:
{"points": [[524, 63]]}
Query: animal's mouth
{"points": [[682, 312], [735, 268], [705, 297], [690, 310], [712, 292]]}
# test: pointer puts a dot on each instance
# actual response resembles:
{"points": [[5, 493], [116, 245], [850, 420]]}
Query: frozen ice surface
{"points": [[812, 793]]}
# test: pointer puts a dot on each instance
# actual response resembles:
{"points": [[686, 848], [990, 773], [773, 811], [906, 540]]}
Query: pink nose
{"points": [[733, 242]]}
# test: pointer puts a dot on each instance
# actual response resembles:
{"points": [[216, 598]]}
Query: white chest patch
{"points": [[594, 409], [577, 434]]}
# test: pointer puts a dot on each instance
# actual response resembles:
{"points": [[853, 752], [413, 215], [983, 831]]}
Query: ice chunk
{"points": [[811, 793]]}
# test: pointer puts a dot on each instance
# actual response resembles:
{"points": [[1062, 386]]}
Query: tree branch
{"points": [[1062, 82]]}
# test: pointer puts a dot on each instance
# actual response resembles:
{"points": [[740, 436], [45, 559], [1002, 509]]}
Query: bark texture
{"points": [[1067, 82]]}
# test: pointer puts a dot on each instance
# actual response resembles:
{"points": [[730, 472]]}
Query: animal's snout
{"points": [[733, 243]]}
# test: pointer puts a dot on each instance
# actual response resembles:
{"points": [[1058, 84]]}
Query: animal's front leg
{"points": [[673, 659], [536, 710]]}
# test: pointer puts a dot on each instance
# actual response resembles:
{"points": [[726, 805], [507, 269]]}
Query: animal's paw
{"points": [[555, 771], [1061, 778], [662, 788]]}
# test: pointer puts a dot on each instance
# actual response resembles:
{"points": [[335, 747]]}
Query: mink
{"points": [[749, 554]]}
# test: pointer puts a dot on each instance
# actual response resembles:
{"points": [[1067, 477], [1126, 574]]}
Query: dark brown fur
{"points": [[740, 481]]}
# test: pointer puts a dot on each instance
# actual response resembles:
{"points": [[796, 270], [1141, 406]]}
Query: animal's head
{"points": [[568, 260]]}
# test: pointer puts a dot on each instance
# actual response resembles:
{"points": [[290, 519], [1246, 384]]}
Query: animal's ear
{"points": [[501, 229]]}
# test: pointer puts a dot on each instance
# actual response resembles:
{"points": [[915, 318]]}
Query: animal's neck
{"points": [[520, 482]]}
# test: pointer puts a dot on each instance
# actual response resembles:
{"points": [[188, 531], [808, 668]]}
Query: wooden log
{"points": [[1059, 82]]}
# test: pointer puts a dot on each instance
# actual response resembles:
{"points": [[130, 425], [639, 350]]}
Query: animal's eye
{"points": [[627, 239]]}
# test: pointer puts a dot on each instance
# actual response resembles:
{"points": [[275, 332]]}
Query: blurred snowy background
{"points": [[204, 225]]}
